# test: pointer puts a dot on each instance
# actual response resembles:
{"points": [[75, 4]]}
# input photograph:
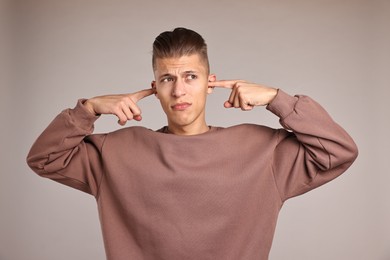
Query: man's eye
{"points": [[191, 76], [167, 80]]}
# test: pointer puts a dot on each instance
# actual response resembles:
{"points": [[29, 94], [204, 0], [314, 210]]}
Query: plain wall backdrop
{"points": [[336, 51]]}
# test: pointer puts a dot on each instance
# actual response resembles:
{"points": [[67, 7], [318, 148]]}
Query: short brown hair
{"points": [[179, 42]]}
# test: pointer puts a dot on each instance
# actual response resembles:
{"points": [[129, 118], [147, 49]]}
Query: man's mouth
{"points": [[181, 106]]}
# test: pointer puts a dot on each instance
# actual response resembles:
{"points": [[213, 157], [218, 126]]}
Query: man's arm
{"points": [[311, 150], [67, 152]]}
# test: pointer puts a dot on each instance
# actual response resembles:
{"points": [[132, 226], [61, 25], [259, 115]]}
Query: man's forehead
{"points": [[182, 64]]}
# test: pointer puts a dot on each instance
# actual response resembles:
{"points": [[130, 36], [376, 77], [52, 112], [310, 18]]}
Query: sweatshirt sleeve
{"points": [[66, 151], [312, 149]]}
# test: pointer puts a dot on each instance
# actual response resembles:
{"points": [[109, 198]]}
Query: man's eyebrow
{"points": [[183, 73], [190, 72], [165, 75]]}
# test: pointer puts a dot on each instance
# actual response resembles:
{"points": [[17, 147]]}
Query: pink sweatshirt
{"points": [[212, 196]]}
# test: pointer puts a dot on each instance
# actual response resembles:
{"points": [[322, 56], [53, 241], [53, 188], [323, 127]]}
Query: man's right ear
{"points": [[153, 85]]}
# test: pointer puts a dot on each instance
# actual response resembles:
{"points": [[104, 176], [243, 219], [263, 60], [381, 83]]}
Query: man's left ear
{"points": [[212, 78]]}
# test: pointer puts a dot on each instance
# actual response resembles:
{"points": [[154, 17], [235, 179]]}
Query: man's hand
{"points": [[124, 106], [245, 95]]}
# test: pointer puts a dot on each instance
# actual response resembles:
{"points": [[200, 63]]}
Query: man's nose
{"points": [[179, 88]]}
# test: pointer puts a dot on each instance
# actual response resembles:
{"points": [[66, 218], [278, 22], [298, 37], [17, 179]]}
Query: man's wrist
{"points": [[273, 92], [89, 107]]}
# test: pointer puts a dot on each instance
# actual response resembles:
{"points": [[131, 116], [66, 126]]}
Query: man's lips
{"points": [[181, 106]]}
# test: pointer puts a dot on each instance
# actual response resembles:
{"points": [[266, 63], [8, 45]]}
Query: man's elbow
{"points": [[350, 154], [35, 163], [353, 152]]}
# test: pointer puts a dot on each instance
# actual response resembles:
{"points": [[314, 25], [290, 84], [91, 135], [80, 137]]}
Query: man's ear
{"points": [[212, 78], [153, 85]]}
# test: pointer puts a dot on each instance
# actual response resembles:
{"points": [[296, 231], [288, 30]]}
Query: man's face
{"points": [[181, 85]]}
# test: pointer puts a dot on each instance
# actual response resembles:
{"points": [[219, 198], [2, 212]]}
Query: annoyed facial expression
{"points": [[181, 85]]}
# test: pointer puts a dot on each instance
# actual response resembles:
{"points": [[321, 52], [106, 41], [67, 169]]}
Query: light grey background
{"points": [[336, 51]]}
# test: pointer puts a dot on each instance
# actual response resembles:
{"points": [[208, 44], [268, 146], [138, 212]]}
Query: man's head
{"points": [[177, 43], [181, 71]]}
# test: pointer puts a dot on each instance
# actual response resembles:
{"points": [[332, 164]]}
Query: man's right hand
{"points": [[124, 106]]}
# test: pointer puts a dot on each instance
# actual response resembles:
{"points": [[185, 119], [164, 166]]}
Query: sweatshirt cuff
{"points": [[82, 116], [283, 104]]}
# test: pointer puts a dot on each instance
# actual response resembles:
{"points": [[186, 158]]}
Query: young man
{"points": [[191, 190]]}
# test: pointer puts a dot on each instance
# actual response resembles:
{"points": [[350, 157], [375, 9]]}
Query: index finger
{"points": [[223, 83], [142, 94]]}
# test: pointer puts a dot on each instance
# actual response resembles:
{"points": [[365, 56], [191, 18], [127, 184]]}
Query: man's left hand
{"points": [[245, 95]]}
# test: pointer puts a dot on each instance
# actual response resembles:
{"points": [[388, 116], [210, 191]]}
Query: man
{"points": [[191, 190]]}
